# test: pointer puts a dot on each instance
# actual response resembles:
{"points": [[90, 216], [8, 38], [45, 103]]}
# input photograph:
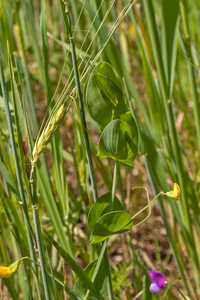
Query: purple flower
{"points": [[158, 281]]}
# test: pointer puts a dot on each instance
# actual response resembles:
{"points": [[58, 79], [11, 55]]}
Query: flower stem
{"points": [[114, 185], [161, 193], [178, 290], [85, 134]]}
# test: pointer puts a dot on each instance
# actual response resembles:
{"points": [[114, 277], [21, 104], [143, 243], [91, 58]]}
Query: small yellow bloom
{"points": [[175, 193], [132, 29], [6, 272]]}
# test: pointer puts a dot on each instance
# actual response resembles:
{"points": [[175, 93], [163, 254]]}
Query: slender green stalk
{"points": [[35, 206], [103, 250], [166, 93], [161, 193], [168, 229], [82, 113], [114, 185], [121, 187], [191, 70], [178, 290], [97, 267], [16, 233], [108, 275], [4, 255], [109, 278], [168, 107], [85, 135], [19, 179]]}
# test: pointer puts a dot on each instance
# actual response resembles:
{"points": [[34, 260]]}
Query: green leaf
{"points": [[9, 180], [109, 224], [101, 207], [128, 118], [1, 7], [75, 267], [104, 96], [170, 18], [70, 292], [45, 190], [155, 103], [21, 131], [99, 282], [114, 57], [119, 141], [12, 210]]}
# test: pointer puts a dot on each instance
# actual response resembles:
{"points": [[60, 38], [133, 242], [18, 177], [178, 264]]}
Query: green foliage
{"points": [[104, 97], [120, 278], [111, 223], [153, 48], [116, 134], [101, 207], [105, 103], [99, 282], [75, 267]]}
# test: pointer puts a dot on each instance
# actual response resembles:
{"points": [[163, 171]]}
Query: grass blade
{"points": [[75, 267]]}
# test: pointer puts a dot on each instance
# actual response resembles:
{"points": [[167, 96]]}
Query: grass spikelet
{"points": [[47, 134]]}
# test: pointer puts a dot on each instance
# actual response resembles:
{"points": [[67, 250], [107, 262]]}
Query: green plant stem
{"points": [[82, 113], [191, 70], [121, 187], [103, 250], [35, 206], [178, 290], [161, 193], [102, 253], [184, 208], [86, 138], [168, 229], [16, 233], [19, 179], [108, 275], [168, 108], [114, 185]]}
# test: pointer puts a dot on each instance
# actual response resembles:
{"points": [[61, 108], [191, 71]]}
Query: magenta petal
{"points": [[158, 278], [155, 289], [150, 274]]}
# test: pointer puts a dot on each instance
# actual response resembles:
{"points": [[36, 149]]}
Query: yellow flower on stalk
{"points": [[175, 193], [6, 272]]}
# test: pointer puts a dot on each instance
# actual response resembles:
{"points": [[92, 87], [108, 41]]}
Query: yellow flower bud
{"points": [[175, 193], [6, 272]]}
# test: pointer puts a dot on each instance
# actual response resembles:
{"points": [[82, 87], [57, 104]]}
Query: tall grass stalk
{"points": [[81, 108], [35, 207], [191, 68], [176, 148], [18, 173], [86, 140]]}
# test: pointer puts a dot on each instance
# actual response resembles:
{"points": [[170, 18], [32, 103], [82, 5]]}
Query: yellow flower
{"points": [[175, 193], [10, 270]]}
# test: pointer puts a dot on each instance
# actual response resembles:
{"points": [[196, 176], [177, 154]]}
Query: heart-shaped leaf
{"points": [[109, 224], [101, 207], [127, 117], [104, 98], [119, 141]]}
